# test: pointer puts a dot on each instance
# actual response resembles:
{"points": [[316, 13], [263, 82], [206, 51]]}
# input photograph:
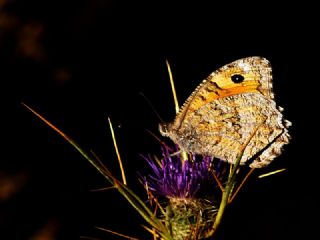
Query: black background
{"points": [[79, 62]]}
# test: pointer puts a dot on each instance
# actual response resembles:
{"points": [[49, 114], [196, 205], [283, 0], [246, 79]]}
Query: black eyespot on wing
{"points": [[237, 78]]}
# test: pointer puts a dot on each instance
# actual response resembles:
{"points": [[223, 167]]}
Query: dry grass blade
{"points": [[117, 152], [118, 234]]}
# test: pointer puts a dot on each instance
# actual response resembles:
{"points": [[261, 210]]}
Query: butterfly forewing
{"points": [[222, 112]]}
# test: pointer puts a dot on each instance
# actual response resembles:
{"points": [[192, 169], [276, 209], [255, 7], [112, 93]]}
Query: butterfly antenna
{"points": [[175, 99], [151, 106]]}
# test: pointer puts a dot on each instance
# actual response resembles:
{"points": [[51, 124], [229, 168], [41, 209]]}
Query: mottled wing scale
{"points": [[223, 111], [256, 71]]}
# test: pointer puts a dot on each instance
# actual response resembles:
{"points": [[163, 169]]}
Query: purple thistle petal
{"points": [[175, 179]]}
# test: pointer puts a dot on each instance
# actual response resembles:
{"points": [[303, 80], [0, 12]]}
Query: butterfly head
{"points": [[164, 129]]}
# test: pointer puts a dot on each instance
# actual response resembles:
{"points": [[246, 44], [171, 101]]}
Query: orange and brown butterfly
{"points": [[225, 110]]}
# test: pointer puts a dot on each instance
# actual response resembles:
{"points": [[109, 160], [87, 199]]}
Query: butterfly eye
{"points": [[237, 78]]}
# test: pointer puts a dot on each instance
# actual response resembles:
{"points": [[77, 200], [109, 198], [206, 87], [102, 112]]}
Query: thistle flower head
{"points": [[191, 209], [176, 178]]}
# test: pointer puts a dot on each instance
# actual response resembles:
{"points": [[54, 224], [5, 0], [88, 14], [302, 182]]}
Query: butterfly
{"points": [[231, 105]]}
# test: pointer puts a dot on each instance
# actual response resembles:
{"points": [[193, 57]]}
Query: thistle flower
{"points": [[176, 178], [190, 209]]}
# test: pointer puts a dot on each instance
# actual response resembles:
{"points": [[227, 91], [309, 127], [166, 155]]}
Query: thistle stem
{"points": [[222, 207], [230, 184], [225, 197]]}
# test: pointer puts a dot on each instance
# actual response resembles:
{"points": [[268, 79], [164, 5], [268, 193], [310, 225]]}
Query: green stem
{"points": [[222, 207], [229, 186], [225, 197]]}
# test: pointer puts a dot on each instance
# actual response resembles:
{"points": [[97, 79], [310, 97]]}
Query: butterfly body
{"points": [[221, 114]]}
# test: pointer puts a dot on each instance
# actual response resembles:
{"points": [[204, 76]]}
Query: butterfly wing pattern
{"points": [[225, 110]]}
